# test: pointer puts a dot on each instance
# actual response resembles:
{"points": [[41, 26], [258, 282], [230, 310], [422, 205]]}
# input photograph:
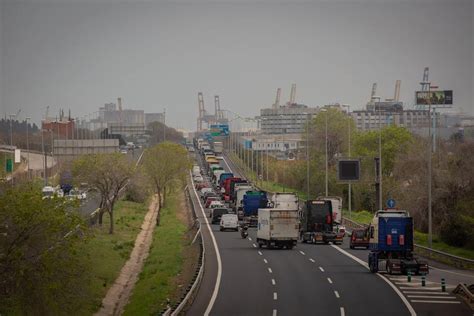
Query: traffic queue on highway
{"points": [[281, 220]]}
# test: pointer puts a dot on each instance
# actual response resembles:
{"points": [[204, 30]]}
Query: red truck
{"points": [[229, 184]]}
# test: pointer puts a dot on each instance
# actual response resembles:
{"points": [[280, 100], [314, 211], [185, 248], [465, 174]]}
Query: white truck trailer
{"points": [[285, 200], [218, 148], [277, 228]]}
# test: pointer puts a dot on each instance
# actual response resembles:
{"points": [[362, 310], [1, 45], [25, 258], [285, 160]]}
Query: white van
{"points": [[229, 221]]}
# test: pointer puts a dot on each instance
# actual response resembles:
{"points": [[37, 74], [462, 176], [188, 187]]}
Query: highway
{"points": [[241, 279]]}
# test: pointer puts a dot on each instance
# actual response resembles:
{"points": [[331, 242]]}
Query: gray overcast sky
{"points": [[80, 54]]}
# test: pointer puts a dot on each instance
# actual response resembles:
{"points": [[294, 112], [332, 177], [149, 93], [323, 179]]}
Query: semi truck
{"points": [[251, 203], [277, 228], [391, 244], [239, 193], [317, 223], [336, 206], [229, 184]]}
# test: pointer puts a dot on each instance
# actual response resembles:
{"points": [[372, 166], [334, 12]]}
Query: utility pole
{"points": [[307, 156], [11, 145], [327, 165], [379, 160], [430, 142], [164, 124], [349, 193], [27, 149]]}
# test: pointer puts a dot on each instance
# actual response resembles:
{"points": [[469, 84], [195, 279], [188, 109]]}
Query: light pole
{"points": [[380, 151], [27, 148], [327, 166], [307, 155], [430, 149], [349, 193], [11, 144]]}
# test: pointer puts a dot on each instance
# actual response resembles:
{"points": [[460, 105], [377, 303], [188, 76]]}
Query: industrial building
{"points": [[154, 117], [290, 118]]}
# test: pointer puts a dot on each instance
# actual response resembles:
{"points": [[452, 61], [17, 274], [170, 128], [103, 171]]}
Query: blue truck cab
{"points": [[391, 242], [252, 201]]}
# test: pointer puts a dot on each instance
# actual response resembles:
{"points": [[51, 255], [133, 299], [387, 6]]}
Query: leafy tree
{"points": [[164, 164], [41, 266], [107, 174], [160, 133]]}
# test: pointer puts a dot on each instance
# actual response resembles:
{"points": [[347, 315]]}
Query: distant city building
{"points": [[127, 129], [63, 129], [154, 117], [289, 119], [68, 149]]}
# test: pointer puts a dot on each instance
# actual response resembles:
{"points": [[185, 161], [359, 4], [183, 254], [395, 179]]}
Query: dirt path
{"points": [[119, 294]]}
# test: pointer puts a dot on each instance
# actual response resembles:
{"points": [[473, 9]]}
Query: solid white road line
{"points": [[273, 282], [321, 268], [265, 260], [260, 253], [225, 161], [337, 294], [218, 255], [432, 297], [275, 296], [301, 252], [343, 313], [402, 297], [312, 260], [329, 280], [274, 312], [436, 302], [270, 270], [426, 293]]}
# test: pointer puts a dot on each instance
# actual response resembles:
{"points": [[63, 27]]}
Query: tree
{"points": [[42, 271], [107, 174], [160, 133], [164, 164]]}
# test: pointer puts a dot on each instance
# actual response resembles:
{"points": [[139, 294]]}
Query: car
{"points": [[198, 179], [340, 230], [124, 151], [229, 221], [217, 213], [204, 190], [210, 199], [208, 194], [215, 204], [359, 238]]}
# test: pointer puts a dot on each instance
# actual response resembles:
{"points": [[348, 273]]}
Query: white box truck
{"points": [[277, 228], [218, 148], [285, 200]]}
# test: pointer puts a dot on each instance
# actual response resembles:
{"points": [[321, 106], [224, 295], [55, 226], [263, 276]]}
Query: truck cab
{"points": [[391, 243]]}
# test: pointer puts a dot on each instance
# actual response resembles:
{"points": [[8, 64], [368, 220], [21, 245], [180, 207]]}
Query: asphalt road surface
{"points": [[241, 279]]}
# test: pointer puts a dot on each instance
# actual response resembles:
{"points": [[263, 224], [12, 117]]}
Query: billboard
{"points": [[219, 130], [348, 170], [442, 97]]}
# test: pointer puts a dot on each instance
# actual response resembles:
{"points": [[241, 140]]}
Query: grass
{"points": [[422, 239], [108, 253], [361, 217], [164, 265]]}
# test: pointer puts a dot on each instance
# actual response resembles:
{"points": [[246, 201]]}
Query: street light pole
{"points": [[307, 155], [11, 144], [327, 166], [27, 148], [430, 224], [349, 193], [380, 151]]}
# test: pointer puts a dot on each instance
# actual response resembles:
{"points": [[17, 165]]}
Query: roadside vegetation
{"points": [[170, 264], [404, 172]]}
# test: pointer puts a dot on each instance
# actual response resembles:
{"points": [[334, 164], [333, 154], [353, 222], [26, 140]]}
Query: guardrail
{"points": [[430, 253], [188, 297]]}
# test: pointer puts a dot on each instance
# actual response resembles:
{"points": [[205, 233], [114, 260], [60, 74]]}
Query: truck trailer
{"points": [[277, 228], [317, 223], [251, 203], [391, 244]]}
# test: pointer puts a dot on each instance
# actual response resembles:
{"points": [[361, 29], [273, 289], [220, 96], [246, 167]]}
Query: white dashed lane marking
{"points": [[250, 238], [321, 268], [301, 252], [312, 260], [337, 294], [260, 253], [274, 312], [265, 260], [275, 296], [254, 245], [329, 280], [270, 270], [273, 281], [343, 313]]}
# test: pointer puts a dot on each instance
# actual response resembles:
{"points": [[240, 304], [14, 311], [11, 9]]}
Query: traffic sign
{"points": [[391, 203]]}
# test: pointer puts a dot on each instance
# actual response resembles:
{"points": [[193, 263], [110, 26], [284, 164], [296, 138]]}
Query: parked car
{"points": [[229, 221], [359, 238]]}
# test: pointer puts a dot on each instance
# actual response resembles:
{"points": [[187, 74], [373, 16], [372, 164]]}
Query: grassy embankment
{"points": [[365, 217], [108, 253], [170, 264]]}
